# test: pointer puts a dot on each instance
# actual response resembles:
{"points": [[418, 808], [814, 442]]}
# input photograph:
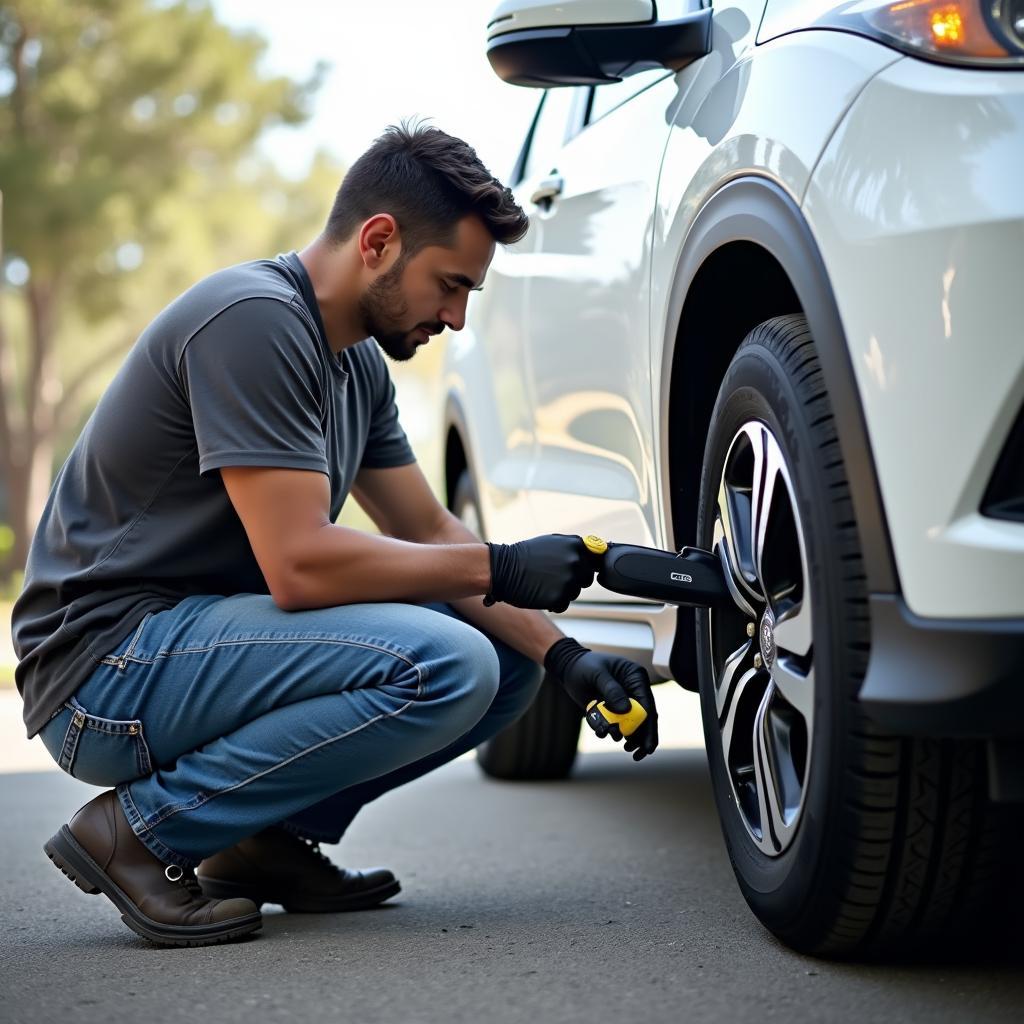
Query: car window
{"points": [[607, 97], [556, 122]]}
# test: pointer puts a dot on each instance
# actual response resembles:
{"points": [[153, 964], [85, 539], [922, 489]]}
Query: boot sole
{"points": [[68, 855], [215, 888]]}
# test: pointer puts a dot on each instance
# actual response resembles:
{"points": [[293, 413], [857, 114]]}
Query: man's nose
{"points": [[453, 316]]}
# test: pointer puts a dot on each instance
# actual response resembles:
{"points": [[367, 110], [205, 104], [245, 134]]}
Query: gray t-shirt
{"points": [[235, 372]]}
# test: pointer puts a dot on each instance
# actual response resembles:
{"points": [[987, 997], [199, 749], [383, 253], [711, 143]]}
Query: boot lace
{"points": [[314, 847]]}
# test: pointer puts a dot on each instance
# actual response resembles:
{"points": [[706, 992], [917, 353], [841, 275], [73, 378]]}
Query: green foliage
{"points": [[116, 105], [10, 588], [129, 169]]}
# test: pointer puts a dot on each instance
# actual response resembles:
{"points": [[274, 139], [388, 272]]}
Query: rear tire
{"points": [[891, 844], [542, 743]]}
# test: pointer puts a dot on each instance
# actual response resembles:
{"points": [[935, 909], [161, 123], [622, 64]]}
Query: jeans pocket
{"points": [[100, 751]]}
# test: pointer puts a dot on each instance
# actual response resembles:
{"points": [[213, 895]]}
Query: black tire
{"points": [[539, 745], [542, 743], [895, 846]]}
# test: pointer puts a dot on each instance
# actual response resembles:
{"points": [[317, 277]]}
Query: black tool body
{"points": [[692, 577]]}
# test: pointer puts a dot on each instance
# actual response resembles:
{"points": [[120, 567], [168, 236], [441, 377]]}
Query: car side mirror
{"points": [[585, 42]]}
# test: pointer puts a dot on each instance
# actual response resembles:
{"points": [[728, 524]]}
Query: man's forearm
{"points": [[530, 632], [338, 565]]}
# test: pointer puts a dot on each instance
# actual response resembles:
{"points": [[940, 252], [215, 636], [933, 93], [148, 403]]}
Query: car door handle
{"points": [[547, 190]]}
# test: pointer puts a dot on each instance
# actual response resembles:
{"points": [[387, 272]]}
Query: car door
{"points": [[587, 317], [486, 365]]}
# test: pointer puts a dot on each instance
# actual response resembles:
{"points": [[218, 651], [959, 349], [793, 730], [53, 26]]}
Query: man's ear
{"points": [[378, 239]]}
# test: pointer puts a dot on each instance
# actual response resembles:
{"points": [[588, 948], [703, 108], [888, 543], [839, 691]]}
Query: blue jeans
{"points": [[224, 715]]}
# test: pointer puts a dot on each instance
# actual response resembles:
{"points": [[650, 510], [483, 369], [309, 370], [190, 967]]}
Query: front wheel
{"points": [[542, 743], [843, 840]]}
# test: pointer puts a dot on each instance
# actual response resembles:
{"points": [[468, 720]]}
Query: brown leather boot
{"points": [[99, 852], [275, 866]]}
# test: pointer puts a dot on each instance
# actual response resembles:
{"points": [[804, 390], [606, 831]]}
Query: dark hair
{"points": [[428, 181]]}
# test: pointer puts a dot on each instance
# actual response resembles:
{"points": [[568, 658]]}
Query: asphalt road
{"points": [[603, 899]]}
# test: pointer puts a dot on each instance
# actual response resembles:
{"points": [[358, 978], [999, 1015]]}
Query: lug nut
{"points": [[750, 629], [757, 661]]}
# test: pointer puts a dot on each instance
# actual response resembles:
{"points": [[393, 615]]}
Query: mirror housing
{"points": [[530, 43]]}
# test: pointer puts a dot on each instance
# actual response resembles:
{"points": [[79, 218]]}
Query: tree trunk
{"points": [[29, 434], [30, 444], [16, 477]]}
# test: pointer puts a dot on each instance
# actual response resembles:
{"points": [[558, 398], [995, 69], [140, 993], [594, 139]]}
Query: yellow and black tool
{"points": [[603, 721], [692, 577], [599, 718]]}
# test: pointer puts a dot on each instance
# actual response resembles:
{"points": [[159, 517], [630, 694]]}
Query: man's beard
{"points": [[383, 309]]}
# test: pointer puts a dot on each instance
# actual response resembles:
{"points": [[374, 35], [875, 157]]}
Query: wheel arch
{"points": [[752, 229]]}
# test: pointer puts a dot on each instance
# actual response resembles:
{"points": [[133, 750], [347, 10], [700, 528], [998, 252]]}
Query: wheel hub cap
{"points": [[767, 639]]}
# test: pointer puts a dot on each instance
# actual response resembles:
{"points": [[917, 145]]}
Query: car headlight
{"points": [[982, 33], [1007, 18]]}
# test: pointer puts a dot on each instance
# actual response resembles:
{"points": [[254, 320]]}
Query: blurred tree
{"points": [[127, 129]]}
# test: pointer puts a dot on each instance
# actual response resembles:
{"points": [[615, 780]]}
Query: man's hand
{"points": [[546, 572], [588, 675]]}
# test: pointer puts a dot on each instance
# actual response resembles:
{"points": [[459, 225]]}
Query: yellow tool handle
{"points": [[628, 722], [632, 719]]}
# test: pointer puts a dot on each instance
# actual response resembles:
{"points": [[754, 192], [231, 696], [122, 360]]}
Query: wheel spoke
{"points": [[737, 539], [796, 686], [764, 778], [733, 580], [726, 528], [767, 470], [729, 724], [724, 683], [793, 630]]}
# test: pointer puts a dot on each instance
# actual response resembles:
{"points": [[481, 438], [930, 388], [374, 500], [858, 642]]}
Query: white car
{"points": [[768, 305]]}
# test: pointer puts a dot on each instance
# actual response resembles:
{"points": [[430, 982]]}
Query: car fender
{"points": [[755, 209]]}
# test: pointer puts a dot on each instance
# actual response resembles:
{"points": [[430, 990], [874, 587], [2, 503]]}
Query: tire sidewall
{"points": [[465, 493], [787, 888]]}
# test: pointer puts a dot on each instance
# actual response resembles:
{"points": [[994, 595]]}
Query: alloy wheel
{"points": [[762, 644]]}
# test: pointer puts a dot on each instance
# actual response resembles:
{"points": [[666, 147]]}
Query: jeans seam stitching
{"points": [[138, 826], [138, 633], [69, 747], [267, 640], [142, 756], [128, 793], [193, 805]]}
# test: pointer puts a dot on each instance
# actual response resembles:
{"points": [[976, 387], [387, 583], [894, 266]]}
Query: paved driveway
{"points": [[607, 898]]}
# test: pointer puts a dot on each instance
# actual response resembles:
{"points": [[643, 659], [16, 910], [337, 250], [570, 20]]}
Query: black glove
{"points": [[545, 572], [588, 675]]}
